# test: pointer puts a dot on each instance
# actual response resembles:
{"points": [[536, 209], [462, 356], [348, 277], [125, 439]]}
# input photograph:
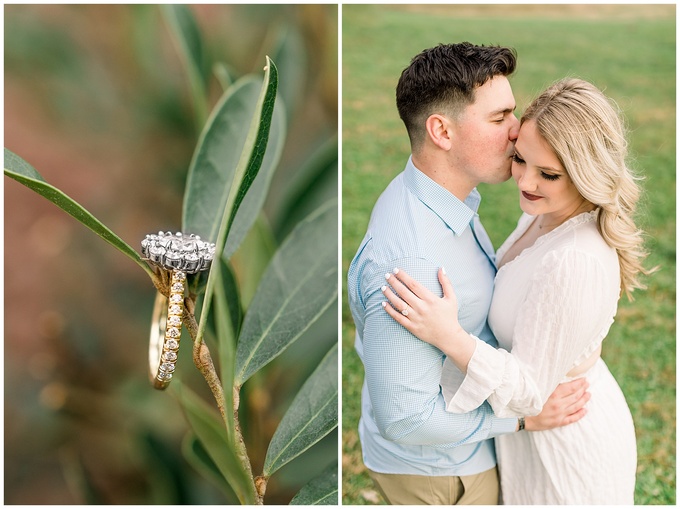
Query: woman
{"points": [[560, 274]]}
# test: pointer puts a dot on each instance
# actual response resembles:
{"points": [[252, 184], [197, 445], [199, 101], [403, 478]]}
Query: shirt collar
{"points": [[455, 213]]}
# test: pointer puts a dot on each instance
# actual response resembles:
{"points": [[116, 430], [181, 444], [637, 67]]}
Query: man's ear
{"points": [[439, 131]]}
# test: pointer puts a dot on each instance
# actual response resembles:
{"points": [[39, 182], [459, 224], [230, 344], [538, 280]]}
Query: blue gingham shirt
{"points": [[419, 226]]}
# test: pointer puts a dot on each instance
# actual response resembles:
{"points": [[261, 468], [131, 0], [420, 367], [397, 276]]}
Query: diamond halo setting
{"points": [[178, 251]]}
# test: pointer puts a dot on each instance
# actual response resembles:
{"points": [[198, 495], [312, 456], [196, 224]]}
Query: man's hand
{"points": [[564, 406]]}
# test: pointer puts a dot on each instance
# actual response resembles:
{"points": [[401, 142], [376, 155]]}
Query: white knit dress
{"points": [[552, 307]]}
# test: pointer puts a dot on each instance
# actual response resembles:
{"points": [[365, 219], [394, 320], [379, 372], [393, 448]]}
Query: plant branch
{"points": [[160, 279], [202, 357], [241, 447], [261, 487], [204, 363]]}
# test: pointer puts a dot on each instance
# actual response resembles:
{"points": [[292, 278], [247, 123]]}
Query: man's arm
{"points": [[403, 375]]}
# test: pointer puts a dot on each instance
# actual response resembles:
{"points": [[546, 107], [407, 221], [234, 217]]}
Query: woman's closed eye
{"points": [[549, 176]]}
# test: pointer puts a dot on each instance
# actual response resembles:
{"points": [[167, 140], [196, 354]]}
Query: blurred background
{"points": [[96, 99], [627, 50]]}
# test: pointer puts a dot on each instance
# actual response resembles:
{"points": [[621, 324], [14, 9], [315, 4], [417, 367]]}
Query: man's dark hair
{"points": [[443, 80]]}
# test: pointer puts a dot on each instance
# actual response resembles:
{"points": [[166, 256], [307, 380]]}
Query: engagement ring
{"points": [[180, 254], [179, 251]]}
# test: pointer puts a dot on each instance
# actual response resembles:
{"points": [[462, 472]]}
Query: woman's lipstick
{"points": [[530, 197]]}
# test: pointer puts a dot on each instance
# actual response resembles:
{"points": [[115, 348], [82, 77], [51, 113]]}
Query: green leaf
{"points": [[252, 258], [258, 138], [217, 154], [312, 415], [322, 490], [222, 148], [227, 311], [232, 298], [198, 457], [19, 170], [207, 425], [187, 37], [304, 191], [299, 285], [244, 175], [319, 160], [254, 199], [224, 74]]}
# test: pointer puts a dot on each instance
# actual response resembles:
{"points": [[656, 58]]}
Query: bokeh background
{"points": [[96, 99], [629, 51]]}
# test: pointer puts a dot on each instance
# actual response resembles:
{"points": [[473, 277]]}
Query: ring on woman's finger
{"points": [[405, 311]]}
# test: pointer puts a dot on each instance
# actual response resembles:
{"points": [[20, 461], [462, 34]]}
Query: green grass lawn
{"points": [[627, 50]]}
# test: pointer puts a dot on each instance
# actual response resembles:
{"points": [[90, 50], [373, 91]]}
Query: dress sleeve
{"points": [[568, 311], [403, 374]]}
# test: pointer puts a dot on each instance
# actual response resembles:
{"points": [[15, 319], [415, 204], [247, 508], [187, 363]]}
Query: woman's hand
{"points": [[427, 316]]}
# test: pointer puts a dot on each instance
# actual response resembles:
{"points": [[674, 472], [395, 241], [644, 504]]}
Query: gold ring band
{"points": [[166, 329]]}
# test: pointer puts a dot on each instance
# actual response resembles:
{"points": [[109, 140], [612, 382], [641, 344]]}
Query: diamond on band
{"points": [[181, 254], [165, 333]]}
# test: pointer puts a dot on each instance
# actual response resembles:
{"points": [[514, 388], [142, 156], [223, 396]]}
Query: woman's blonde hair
{"points": [[586, 132]]}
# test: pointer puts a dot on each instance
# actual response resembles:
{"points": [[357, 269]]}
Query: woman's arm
{"points": [[569, 306]]}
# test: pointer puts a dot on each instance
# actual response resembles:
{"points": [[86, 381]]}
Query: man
{"points": [[457, 105]]}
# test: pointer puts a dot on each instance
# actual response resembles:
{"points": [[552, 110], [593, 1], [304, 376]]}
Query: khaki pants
{"points": [[399, 489]]}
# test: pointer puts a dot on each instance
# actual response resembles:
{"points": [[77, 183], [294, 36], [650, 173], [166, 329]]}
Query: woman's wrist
{"points": [[460, 347]]}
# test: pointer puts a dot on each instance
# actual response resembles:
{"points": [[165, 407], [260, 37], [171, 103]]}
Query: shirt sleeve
{"points": [[567, 312], [403, 374]]}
